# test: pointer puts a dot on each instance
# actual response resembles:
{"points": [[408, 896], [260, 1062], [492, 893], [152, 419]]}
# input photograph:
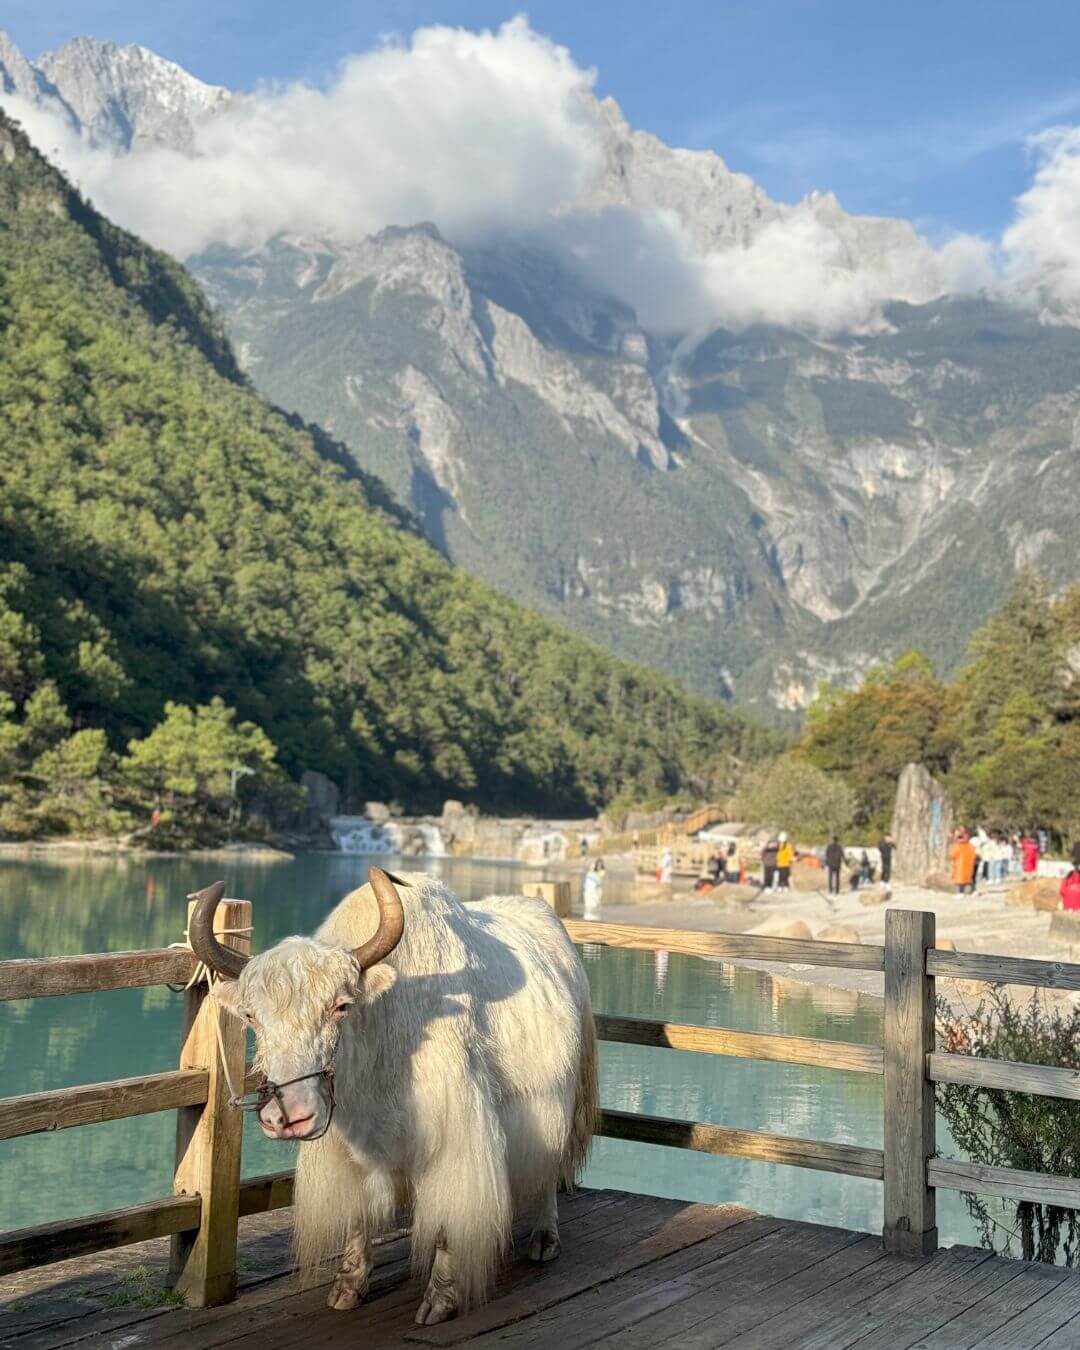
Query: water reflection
{"points": [[102, 904]]}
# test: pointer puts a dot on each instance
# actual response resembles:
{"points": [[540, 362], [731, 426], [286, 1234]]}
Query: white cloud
{"points": [[1042, 246], [471, 130], [495, 133]]}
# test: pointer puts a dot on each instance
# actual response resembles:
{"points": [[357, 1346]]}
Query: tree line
{"points": [[1003, 734]]}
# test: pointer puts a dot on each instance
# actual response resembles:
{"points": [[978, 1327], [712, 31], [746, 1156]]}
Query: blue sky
{"points": [[918, 109]]}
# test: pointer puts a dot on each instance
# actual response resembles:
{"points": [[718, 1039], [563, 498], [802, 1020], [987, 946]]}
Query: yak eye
{"points": [[341, 1007], [248, 1016]]}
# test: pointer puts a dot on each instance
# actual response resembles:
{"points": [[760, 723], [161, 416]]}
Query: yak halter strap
{"points": [[267, 1092]]}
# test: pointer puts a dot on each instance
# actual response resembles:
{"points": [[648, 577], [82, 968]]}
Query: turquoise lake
{"points": [[52, 908]]}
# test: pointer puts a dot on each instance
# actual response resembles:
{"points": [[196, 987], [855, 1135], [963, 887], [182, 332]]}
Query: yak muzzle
{"points": [[301, 1108]]}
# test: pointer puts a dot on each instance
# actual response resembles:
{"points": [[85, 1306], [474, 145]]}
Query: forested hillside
{"points": [[1004, 734], [165, 535]]}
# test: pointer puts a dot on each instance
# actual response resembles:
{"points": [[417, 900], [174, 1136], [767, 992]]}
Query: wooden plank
{"points": [[272, 1190], [660, 1289], [94, 1102], [820, 1155], [795, 1324], [969, 1329], [47, 976], [940, 1281], [1051, 1323], [1007, 1182], [922, 1308], [822, 1054], [742, 1308], [1003, 969], [208, 1138], [280, 1316], [910, 1227], [733, 946], [667, 1227], [25, 1248], [1039, 1079]]}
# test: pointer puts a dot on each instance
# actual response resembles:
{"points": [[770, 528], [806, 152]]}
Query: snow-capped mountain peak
{"points": [[129, 96]]}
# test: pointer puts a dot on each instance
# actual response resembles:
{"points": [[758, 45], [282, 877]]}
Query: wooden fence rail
{"points": [[201, 1217]]}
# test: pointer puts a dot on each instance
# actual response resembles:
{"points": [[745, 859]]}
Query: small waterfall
{"points": [[434, 844], [357, 834]]}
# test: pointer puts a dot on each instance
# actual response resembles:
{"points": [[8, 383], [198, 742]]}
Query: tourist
{"points": [[593, 889], [962, 857], [1043, 836], [785, 856], [1070, 886], [716, 868], [980, 842], [736, 870], [1002, 855], [866, 870], [768, 864], [886, 848], [834, 860], [667, 867], [1029, 848]]}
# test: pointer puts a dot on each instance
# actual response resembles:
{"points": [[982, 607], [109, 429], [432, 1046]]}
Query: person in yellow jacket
{"points": [[785, 856]]}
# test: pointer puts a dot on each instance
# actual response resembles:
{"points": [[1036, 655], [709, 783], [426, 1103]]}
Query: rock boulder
{"points": [[921, 824]]}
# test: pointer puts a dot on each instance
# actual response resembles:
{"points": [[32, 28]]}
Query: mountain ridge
{"points": [[750, 508]]}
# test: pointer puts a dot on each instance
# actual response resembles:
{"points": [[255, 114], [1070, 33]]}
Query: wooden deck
{"points": [[635, 1272]]}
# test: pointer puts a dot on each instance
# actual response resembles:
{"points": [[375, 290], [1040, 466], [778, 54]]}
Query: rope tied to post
{"points": [[204, 974]]}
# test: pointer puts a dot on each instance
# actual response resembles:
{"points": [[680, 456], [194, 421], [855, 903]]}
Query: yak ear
{"points": [[376, 981], [226, 993]]}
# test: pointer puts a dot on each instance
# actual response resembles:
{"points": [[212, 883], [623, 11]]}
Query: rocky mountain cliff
{"points": [[751, 510], [119, 97]]}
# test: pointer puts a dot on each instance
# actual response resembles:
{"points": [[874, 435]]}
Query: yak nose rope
{"points": [[267, 1091]]}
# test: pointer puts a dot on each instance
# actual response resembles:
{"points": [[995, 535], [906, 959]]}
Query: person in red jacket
{"points": [[1070, 890], [1029, 847]]}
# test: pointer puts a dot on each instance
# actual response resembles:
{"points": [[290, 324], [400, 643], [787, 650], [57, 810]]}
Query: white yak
{"points": [[438, 1056]]}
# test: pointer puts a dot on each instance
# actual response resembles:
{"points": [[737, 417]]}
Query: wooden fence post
{"points": [[208, 1137], [910, 1227], [556, 893]]}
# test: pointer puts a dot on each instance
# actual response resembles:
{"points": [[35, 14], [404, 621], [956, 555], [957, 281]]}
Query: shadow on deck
{"points": [[635, 1272]]}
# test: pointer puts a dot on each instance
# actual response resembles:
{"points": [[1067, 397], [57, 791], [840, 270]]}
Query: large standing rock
{"points": [[921, 825], [323, 795], [1043, 893]]}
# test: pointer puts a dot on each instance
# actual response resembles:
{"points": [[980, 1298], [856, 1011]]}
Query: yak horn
{"points": [[391, 920], [220, 959]]}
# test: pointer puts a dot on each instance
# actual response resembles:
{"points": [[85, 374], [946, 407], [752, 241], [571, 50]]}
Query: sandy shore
{"points": [[980, 923], [78, 850]]}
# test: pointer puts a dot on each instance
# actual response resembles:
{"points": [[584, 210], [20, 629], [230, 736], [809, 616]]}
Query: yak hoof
{"points": [[436, 1308], [544, 1247], [343, 1297]]}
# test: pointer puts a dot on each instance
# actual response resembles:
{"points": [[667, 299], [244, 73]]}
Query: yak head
{"points": [[295, 997]]}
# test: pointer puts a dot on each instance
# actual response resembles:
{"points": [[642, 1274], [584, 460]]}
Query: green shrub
{"points": [[1016, 1129]]}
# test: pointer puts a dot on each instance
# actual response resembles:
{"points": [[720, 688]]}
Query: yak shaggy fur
{"points": [[466, 1086]]}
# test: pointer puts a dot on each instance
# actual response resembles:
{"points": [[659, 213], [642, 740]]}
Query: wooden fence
{"points": [[201, 1216]]}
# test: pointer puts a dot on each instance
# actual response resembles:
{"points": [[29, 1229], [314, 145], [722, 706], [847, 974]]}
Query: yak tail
{"points": [[329, 1205], [586, 1103]]}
